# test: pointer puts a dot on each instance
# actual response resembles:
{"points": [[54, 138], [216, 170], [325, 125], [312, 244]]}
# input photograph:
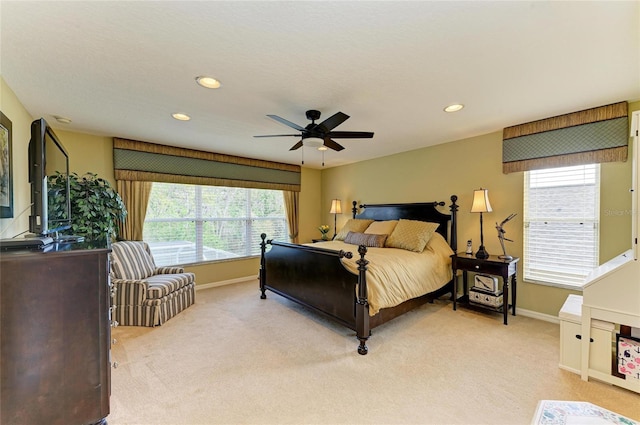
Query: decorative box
{"points": [[486, 283], [628, 356], [484, 298]]}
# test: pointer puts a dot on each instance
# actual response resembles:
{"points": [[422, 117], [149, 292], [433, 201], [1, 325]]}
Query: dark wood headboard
{"points": [[422, 211]]}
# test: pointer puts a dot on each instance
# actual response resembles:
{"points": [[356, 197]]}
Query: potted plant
{"points": [[96, 208]]}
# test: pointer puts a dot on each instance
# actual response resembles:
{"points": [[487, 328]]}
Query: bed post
{"points": [[454, 223], [354, 209], [263, 271], [362, 304]]}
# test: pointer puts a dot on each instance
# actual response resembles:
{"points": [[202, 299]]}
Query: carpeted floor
{"points": [[235, 359]]}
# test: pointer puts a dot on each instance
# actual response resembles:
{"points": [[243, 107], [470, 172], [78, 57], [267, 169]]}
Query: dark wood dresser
{"points": [[55, 335]]}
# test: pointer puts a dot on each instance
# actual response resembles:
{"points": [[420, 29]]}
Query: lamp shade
{"points": [[336, 207], [481, 202]]}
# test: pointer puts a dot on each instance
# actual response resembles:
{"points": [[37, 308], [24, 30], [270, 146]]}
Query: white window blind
{"points": [[191, 223], [561, 224]]}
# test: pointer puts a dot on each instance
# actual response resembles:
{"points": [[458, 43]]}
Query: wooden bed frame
{"points": [[315, 277]]}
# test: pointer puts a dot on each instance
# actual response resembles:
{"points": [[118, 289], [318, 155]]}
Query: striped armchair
{"points": [[146, 295]]}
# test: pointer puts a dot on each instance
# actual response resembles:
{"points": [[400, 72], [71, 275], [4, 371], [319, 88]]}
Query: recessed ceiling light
{"points": [[454, 107], [181, 117], [62, 120], [208, 82]]}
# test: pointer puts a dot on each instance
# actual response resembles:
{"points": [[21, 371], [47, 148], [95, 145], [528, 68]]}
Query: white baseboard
{"points": [[536, 315], [225, 282]]}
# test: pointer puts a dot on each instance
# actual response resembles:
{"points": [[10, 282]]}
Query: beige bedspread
{"points": [[396, 275]]}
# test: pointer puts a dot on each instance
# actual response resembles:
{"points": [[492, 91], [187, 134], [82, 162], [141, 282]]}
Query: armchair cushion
{"points": [[162, 285], [132, 260]]}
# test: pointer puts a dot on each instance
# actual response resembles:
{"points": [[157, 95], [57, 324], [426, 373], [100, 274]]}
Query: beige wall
{"points": [[86, 153], [21, 129], [428, 174], [435, 173], [310, 208], [90, 153]]}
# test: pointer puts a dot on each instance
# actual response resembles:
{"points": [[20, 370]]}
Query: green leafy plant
{"points": [[96, 208]]}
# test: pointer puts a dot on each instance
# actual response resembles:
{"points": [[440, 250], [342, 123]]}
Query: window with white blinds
{"points": [[191, 223], [561, 224]]}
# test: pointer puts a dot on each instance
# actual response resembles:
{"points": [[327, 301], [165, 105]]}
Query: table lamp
{"points": [[336, 208], [481, 205]]}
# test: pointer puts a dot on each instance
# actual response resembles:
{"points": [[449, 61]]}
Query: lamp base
{"points": [[505, 257], [482, 253]]}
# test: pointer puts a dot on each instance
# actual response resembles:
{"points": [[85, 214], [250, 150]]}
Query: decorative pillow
{"points": [[382, 227], [130, 260], [352, 225], [366, 239], [411, 235]]}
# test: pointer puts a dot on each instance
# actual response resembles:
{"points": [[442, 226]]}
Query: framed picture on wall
{"points": [[6, 170]]}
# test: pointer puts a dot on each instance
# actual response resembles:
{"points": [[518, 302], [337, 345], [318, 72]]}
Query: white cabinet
{"points": [[611, 295], [612, 292], [600, 346]]}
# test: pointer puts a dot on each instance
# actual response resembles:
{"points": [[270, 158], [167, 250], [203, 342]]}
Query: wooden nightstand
{"points": [[507, 269]]}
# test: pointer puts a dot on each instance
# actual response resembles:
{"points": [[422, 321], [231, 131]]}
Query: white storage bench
{"points": [[600, 354]]}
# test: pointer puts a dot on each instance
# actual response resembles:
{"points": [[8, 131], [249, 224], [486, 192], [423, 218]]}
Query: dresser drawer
{"points": [[488, 267]]}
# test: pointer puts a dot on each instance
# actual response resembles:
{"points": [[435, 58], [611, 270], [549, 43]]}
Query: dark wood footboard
{"points": [[311, 276], [316, 278]]}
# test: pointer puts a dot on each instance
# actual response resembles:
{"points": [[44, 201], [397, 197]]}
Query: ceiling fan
{"points": [[320, 135]]}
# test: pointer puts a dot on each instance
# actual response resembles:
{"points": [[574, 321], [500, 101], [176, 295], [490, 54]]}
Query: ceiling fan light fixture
{"points": [[322, 148], [208, 82], [455, 107], [313, 142]]}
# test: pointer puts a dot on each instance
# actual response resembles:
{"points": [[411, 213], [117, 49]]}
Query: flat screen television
{"points": [[50, 207]]}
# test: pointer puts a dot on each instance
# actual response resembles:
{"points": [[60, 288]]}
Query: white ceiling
{"points": [[121, 68]]}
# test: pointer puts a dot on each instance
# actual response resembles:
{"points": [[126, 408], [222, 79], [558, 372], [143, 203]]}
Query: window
{"points": [[561, 224], [190, 223]]}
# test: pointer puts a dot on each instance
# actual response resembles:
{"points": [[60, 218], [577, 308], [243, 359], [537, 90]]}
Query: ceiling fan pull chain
{"points": [[323, 158], [302, 155]]}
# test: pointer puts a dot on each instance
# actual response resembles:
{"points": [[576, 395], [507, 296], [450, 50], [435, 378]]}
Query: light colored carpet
{"points": [[233, 358]]}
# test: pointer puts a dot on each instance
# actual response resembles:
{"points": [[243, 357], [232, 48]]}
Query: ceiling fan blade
{"points": [[332, 144], [280, 135], [286, 122], [296, 146], [350, 134], [332, 122]]}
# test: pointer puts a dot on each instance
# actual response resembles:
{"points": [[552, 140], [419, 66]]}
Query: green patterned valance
{"points": [[141, 161], [591, 136]]}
